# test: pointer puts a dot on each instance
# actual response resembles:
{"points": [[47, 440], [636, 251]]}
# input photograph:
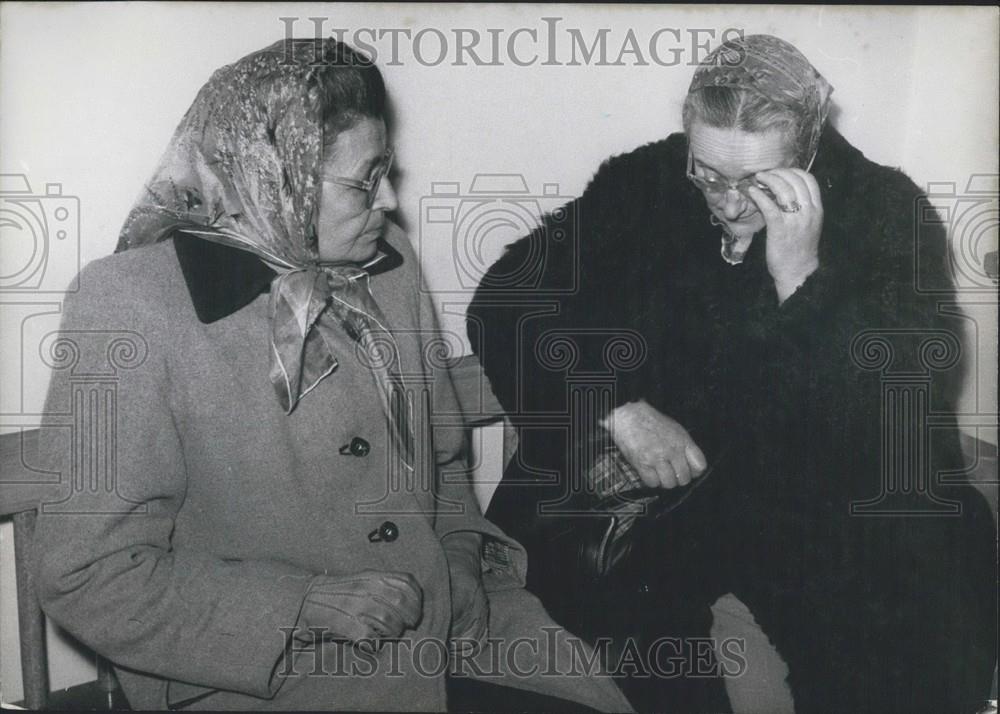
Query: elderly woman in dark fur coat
{"points": [[824, 510]]}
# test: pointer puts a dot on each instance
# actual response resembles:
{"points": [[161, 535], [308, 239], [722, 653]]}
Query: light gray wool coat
{"points": [[187, 561]]}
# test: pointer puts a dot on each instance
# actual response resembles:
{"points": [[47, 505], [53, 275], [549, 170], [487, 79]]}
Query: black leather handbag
{"points": [[592, 542]]}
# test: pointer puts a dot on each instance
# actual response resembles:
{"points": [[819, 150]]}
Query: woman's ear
{"points": [[823, 90]]}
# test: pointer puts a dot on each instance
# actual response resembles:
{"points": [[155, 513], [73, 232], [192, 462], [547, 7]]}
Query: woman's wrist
{"points": [[787, 285]]}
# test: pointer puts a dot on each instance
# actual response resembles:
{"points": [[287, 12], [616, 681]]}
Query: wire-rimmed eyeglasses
{"points": [[717, 187], [374, 180]]}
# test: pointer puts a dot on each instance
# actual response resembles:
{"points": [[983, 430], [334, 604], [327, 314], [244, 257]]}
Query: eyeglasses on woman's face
{"points": [[371, 185], [716, 187]]}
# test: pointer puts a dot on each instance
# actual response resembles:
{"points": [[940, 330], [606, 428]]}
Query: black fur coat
{"points": [[808, 409]]}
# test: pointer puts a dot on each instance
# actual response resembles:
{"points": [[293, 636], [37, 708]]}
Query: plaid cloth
{"points": [[612, 475], [614, 489]]}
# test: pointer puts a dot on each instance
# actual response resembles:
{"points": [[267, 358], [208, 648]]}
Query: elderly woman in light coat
{"points": [[282, 531]]}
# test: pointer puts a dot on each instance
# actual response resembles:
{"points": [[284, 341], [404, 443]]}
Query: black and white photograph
{"points": [[499, 357]]}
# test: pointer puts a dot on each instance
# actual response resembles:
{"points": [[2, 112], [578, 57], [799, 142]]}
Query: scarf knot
{"points": [[305, 306]]}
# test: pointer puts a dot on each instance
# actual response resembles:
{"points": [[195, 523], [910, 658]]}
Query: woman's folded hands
{"points": [[363, 607]]}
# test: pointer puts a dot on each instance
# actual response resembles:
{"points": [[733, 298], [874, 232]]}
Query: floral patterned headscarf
{"points": [[242, 169], [778, 71]]}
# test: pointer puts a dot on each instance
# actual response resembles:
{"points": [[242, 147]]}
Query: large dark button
{"points": [[357, 447], [387, 532]]}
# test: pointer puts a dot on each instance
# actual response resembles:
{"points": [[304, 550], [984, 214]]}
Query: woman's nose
{"points": [[733, 204], [385, 199]]}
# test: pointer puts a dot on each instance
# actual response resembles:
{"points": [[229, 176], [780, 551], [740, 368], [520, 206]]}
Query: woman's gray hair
{"points": [[743, 109]]}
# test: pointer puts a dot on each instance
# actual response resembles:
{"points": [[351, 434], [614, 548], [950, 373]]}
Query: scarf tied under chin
{"points": [[306, 307]]}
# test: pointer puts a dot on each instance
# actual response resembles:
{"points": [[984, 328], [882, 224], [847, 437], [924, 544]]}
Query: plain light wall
{"points": [[92, 93]]}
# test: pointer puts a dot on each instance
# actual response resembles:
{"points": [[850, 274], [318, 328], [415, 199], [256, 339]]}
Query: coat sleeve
{"points": [[865, 319], [894, 249], [108, 569], [568, 276], [552, 318], [864, 315]]}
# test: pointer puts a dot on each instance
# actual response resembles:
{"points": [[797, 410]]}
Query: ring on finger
{"points": [[793, 207]]}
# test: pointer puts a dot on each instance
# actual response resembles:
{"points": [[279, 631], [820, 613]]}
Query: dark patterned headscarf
{"points": [[242, 169], [775, 69]]}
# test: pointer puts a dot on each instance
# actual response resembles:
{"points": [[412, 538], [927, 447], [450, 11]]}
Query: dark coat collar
{"points": [[222, 279], [835, 159]]}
